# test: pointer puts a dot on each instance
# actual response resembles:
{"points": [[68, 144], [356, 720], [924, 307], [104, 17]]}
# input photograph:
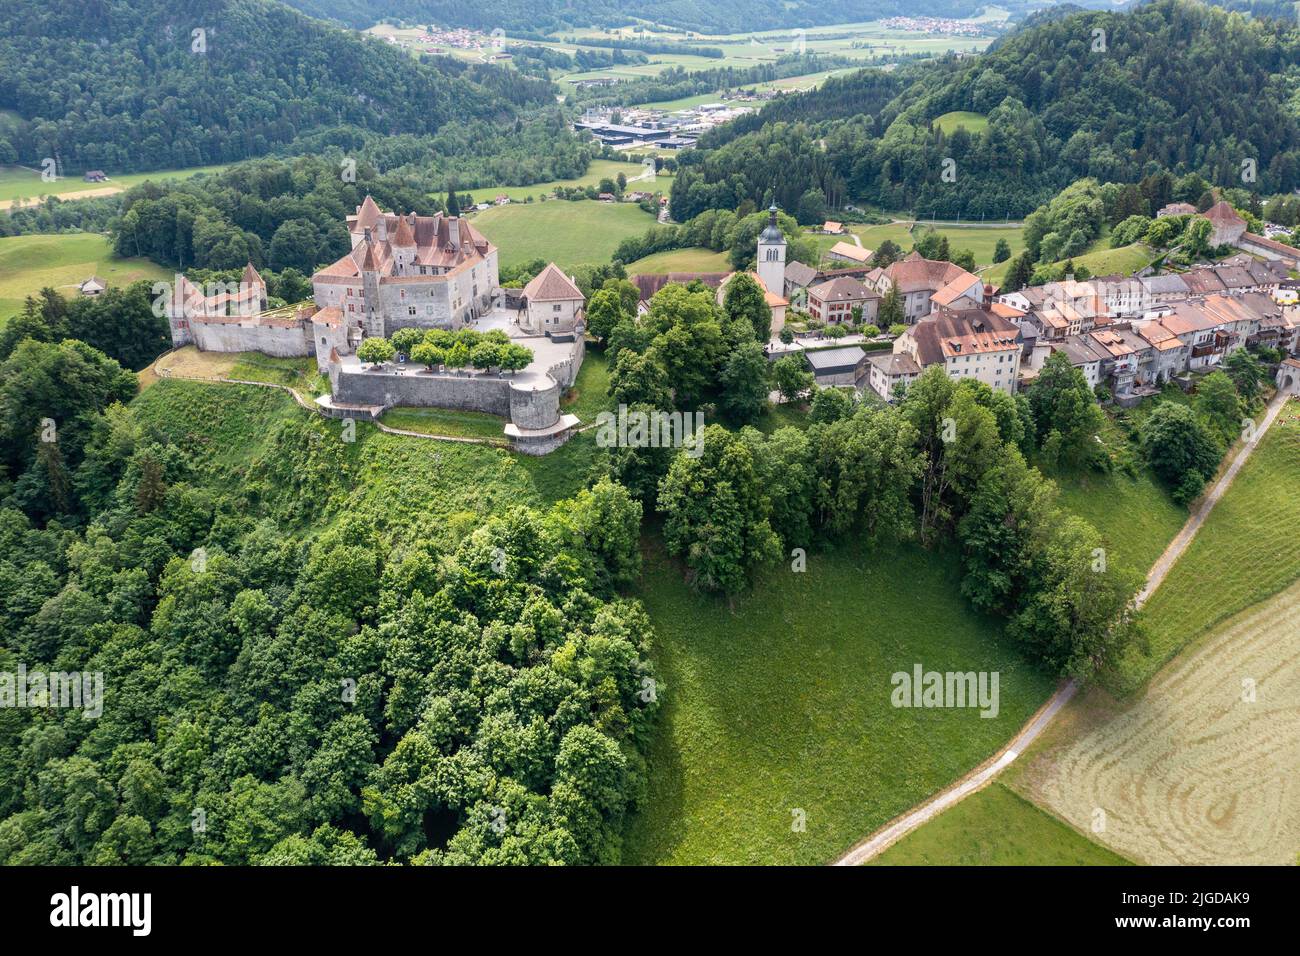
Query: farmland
{"points": [[31, 263], [1200, 769], [568, 233], [780, 703], [21, 183]]}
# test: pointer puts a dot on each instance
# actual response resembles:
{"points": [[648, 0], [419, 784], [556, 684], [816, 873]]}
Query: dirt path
{"points": [[1184, 537], [34, 201], [980, 776]]}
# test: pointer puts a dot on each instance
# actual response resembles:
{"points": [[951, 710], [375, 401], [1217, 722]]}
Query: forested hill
{"points": [[707, 16], [1173, 84], [127, 85]]}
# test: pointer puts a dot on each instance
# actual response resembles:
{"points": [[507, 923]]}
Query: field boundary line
{"points": [[982, 775]]}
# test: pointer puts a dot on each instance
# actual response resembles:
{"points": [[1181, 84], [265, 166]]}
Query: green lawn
{"points": [[589, 395], [996, 827], [598, 170], [567, 233], [17, 182], [781, 702], [1247, 550], [958, 119], [1101, 260], [681, 260], [30, 263]]}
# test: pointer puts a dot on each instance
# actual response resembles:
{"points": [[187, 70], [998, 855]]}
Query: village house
{"points": [[1227, 226], [974, 343], [920, 280], [835, 301], [92, 287], [891, 371]]}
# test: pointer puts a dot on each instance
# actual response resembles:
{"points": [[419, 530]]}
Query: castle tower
{"points": [[771, 255], [403, 244]]}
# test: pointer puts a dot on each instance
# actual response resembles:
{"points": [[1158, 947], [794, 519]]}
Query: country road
{"points": [[981, 775]]}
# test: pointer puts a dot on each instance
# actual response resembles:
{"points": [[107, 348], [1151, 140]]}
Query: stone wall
{"points": [[278, 340], [526, 407]]}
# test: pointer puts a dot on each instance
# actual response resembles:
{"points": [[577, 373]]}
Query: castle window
{"points": [[555, 308], [410, 310]]}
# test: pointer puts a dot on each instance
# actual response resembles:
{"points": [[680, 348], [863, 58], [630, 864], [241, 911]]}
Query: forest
{"points": [[1156, 93], [133, 87]]}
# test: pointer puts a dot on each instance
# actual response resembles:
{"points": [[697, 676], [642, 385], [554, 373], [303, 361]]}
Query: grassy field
{"points": [[598, 170], [973, 123], [781, 702], [996, 827], [567, 233], [681, 260], [1101, 260], [1246, 551], [1200, 769], [980, 240], [446, 421], [30, 263], [19, 182]]}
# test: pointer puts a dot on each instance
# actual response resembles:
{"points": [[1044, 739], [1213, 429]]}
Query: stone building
{"points": [[553, 305]]}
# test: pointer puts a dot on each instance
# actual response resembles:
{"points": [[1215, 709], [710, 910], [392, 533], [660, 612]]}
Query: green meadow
{"points": [[18, 182], [566, 233]]}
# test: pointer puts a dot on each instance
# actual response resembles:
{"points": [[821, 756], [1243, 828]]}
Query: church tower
{"points": [[771, 255]]}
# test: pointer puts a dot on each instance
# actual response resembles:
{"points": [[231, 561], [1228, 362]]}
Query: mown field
{"points": [[996, 827], [19, 182], [1246, 551], [30, 263], [1200, 769], [681, 260], [567, 233], [780, 702]]}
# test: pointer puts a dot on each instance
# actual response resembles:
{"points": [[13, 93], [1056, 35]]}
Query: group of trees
{"points": [[722, 230], [1185, 443], [433, 348], [947, 463]]}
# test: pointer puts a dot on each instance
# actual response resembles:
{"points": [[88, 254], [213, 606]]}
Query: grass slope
{"points": [[598, 170], [962, 119], [782, 702], [681, 260], [1246, 551], [996, 827], [566, 233], [19, 182], [30, 263]]}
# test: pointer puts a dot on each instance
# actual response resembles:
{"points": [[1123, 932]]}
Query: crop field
{"points": [[996, 827], [567, 233], [1246, 551], [1201, 769], [19, 182], [681, 260], [777, 708], [31, 263]]}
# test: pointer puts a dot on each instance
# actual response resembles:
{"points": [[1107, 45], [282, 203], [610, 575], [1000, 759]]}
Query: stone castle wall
{"points": [[278, 340], [527, 408]]}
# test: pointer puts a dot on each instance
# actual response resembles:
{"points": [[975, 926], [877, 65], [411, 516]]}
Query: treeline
{"points": [[721, 230], [275, 213], [1160, 93], [130, 86]]}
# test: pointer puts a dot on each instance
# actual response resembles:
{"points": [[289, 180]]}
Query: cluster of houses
{"points": [[1130, 334]]}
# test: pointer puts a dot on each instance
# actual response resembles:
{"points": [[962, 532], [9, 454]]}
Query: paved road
{"points": [[982, 774]]}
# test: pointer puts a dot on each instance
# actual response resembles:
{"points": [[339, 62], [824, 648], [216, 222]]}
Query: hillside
{"points": [[128, 85], [1160, 93]]}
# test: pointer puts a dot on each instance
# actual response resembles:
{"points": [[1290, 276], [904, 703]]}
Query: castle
{"points": [[403, 271]]}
